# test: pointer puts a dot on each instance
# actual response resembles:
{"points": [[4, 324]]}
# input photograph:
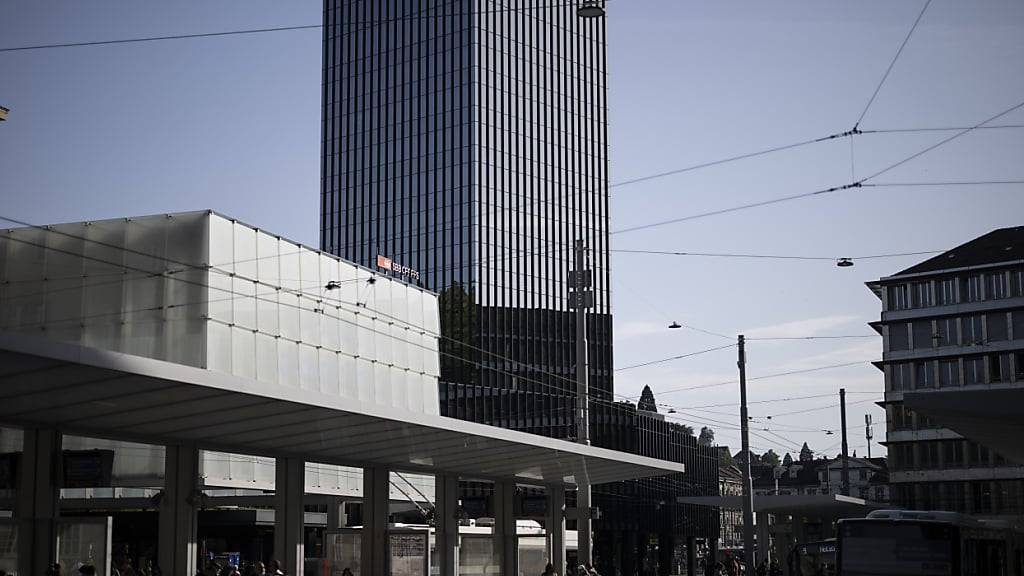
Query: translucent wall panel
{"points": [[205, 291], [135, 465], [133, 285], [227, 470]]}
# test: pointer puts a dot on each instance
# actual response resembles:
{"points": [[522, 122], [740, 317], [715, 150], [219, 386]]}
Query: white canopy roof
{"points": [[88, 391]]}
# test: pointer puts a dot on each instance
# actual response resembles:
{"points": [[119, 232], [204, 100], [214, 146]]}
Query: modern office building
{"points": [[953, 323], [465, 148]]}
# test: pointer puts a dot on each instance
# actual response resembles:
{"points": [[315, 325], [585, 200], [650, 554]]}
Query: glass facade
{"points": [[467, 141]]}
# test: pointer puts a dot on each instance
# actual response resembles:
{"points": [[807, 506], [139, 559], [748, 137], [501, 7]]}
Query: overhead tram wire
{"points": [[939, 129], [245, 31], [855, 184], [770, 256], [892, 63], [672, 358], [765, 377], [947, 183], [729, 159]]}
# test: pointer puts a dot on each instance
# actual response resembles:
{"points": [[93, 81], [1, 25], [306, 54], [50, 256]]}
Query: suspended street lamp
{"points": [[591, 9]]}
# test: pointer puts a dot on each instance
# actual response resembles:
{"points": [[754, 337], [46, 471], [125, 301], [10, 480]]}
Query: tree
{"points": [[707, 436], [805, 454], [647, 400], [787, 459], [770, 458]]}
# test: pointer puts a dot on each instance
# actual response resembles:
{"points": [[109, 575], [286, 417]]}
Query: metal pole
{"points": [[748, 485], [584, 529], [868, 433], [846, 455]]}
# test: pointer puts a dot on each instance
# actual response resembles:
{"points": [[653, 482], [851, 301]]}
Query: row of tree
{"points": [[707, 438]]}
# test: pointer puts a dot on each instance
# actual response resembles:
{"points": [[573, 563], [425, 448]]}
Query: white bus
{"points": [[899, 542]]}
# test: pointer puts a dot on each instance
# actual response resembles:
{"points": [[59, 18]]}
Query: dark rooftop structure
{"points": [[1002, 245]]}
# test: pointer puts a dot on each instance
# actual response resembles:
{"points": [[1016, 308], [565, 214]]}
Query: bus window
{"points": [[875, 548]]}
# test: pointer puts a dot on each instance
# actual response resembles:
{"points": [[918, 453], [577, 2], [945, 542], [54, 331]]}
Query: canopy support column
{"points": [[178, 521], [38, 503], [290, 514], [505, 532], [376, 492], [446, 522], [555, 524], [764, 538]]}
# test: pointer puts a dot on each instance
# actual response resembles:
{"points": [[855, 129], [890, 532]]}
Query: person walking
{"points": [[549, 570]]}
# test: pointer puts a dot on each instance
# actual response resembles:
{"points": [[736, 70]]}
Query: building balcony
{"points": [[956, 474]]}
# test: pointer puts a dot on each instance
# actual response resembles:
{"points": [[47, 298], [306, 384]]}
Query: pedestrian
{"points": [[549, 570], [274, 568], [591, 571]]}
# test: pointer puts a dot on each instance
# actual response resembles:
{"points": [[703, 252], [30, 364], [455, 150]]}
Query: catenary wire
{"points": [[778, 375], [948, 183], [771, 256], [672, 358], [891, 64], [363, 23], [856, 184], [943, 142]]}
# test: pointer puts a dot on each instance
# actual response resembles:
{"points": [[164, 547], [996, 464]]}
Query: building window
{"points": [[923, 372], [928, 452], [971, 288], [1017, 282], [977, 455], [923, 334], [898, 297], [946, 291], [921, 294], [999, 368], [902, 456], [949, 373], [997, 327], [902, 418], [1018, 324], [946, 331], [996, 285], [1018, 366], [973, 335], [953, 454], [899, 337], [974, 371], [901, 377]]}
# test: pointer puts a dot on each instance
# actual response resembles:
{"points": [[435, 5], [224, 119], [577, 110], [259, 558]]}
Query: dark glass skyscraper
{"points": [[467, 140]]}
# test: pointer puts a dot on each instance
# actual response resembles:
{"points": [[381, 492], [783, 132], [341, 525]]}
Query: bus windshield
{"points": [[886, 548]]}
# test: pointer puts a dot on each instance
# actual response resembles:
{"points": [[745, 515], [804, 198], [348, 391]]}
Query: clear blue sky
{"points": [[232, 123]]}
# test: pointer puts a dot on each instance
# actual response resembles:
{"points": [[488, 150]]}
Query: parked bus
{"points": [[898, 543]]}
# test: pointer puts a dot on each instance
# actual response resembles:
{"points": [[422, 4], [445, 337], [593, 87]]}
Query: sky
{"points": [[232, 123]]}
